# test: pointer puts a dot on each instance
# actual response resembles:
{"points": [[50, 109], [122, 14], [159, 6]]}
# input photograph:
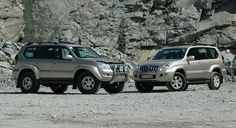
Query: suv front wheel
{"points": [[178, 82], [88, 83], [114, 88], [215, 81], [28, 83]]}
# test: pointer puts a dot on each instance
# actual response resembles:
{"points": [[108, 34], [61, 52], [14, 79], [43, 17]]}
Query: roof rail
{"points": [[203, 44], [63, 42]]}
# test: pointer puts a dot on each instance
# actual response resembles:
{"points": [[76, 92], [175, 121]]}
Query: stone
{"points": [[11, 20], [4, 64], [3, 56]]}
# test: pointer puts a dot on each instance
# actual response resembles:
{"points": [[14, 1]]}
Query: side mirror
{"points": [[190, 58], [68, 57]]}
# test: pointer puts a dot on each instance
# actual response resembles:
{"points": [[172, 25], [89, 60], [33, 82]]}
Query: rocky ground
{"points": [[196, 108]]}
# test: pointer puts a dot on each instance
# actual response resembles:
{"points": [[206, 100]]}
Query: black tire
{"points": [[114, 88], [215, 81], [28, 83], [186, 87], [58, 88], [91, 87], [180, 86], [144, 86]]}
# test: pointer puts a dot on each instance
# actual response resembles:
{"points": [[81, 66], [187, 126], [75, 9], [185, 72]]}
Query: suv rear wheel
{"points": [[114, 88], [28, 83], [88, 83], [178, 82], [58, 88], [144, 86], [215, 81]]}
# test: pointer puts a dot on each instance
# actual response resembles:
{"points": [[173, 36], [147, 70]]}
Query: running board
{"points": [[198, 82]]}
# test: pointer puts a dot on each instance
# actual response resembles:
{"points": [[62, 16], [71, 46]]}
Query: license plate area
{"points": [[146, 76]]}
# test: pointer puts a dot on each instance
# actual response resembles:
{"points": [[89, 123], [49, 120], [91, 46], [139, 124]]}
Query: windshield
{"points": [[175, 53], [85, 52]]}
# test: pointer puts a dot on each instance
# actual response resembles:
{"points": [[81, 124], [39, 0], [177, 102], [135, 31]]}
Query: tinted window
{"points": [[46, 52], [212, 53], [175, 53], [52, 52], [30, 52], [203, 53], [61, 52]]}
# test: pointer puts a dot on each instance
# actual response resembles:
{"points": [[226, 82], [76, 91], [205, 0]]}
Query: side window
{"points": [[46, 52], [212, 53], [57, 53], [30, 52], [65, 52], [193, 52], [61, 52], [202, 53]]}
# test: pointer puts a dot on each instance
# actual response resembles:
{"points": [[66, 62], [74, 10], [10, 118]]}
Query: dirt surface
{"points": [[196, 108]]}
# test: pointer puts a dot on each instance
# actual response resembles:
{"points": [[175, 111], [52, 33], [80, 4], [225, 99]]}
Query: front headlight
{"points": [[104, 66], [165, 67]]}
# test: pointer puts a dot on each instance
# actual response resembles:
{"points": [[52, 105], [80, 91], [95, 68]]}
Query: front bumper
{"points": [[158, 76], [113, 76]]}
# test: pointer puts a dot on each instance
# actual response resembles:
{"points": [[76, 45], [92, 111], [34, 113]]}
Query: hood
{"points": [[158, 62], [104, 60]]}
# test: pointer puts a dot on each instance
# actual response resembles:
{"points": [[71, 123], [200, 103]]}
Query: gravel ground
{"points": [[196, 108]]}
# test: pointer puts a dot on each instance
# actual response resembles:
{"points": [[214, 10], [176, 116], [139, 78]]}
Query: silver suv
{"points": [[59, 65], [177, 67]]}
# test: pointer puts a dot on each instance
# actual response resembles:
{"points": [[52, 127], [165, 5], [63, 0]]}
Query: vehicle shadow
{"points": [[46, 93], [154, 91], [78, 93]]}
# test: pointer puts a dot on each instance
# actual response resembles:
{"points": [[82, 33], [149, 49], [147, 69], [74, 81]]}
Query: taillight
{"points": [[223, 59]]}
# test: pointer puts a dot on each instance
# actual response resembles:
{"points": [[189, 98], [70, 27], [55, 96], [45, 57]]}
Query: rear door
{"points": [[205, 63], [44, 62]]}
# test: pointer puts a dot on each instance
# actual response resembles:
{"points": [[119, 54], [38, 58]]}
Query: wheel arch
{"points": [[181, 71], [81, 70]]}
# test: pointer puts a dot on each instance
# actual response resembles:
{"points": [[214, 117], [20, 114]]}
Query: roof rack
{"points": [[39, 43], [203, 44]]}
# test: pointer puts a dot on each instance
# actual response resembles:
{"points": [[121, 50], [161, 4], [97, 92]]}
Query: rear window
{"points": [[30, 52]]}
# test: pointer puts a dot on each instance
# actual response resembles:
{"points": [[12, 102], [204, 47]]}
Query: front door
{"points": [[63, 68]]}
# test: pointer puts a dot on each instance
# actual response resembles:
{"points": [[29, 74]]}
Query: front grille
{"points": [[118, 67], [149, 68]]}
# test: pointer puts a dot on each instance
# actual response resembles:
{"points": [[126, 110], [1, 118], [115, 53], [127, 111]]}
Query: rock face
{"points": [[131, 25], [11, 20], [8, 51]]}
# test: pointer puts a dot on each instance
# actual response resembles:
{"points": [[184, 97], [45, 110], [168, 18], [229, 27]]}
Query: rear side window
{"points": [[46, 52], [30, 52], [212, 53]]}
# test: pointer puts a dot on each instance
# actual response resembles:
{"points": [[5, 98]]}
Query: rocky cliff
{"points": [[11, 20], [128, 25], [132, 27]]}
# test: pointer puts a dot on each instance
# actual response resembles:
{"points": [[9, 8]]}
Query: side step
{"points": [[198, 82]]}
